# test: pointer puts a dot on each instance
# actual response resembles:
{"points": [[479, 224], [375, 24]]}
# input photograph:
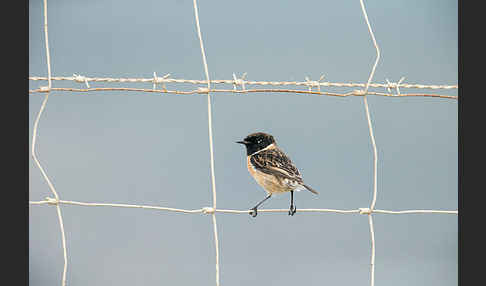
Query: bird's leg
{"points": [[253, 212], [293, 209]]}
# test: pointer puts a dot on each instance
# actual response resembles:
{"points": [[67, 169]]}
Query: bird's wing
{"points": [[275, 162]]}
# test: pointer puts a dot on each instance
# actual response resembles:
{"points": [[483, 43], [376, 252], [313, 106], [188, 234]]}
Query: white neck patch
{"points": [[271, 146]]}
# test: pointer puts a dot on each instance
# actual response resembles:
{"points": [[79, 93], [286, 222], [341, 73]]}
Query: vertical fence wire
{"points": [[210, 129], [34, 139], [373, 142]]}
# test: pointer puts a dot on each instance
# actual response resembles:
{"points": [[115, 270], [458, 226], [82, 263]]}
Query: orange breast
{"points": [[250, 167], [269, 183]]}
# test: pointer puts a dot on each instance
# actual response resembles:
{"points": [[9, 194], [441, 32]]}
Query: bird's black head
{"points": [[256, 142]]}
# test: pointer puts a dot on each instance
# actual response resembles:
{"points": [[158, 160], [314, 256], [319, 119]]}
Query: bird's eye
{"points": [[259, 141]]}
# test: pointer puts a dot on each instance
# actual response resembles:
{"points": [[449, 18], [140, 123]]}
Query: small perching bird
{"points": [[272, 169]]}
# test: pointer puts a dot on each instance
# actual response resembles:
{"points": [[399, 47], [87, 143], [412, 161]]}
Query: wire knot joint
{"points": [[359, 92], [365, 211], [44, 89], [202, 90], [208, 210], [52, 201]]}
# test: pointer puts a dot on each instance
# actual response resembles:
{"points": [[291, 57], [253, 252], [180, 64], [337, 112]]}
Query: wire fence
{"points": [[239, 86], [313, 87]]}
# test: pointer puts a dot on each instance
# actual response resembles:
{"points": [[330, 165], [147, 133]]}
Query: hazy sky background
{"points": [[152, 149]]}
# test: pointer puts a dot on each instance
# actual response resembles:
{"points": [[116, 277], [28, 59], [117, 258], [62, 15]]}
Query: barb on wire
{"points": [[80, 78], [160, 79], [312, 83], [239, 81], [394, 85]]}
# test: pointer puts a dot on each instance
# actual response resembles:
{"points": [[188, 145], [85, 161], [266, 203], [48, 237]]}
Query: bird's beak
{"points": [[242, 142]]}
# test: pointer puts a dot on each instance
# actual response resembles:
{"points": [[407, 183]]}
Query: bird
{"points": [[272, 169]]}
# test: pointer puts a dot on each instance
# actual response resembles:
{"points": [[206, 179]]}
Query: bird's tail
{"points": [[311, 189]]}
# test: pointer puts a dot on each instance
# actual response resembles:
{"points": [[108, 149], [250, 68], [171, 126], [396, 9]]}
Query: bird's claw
{"points": [[292, 210], [253, 212]]}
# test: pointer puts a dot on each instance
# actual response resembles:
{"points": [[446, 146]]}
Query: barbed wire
{"points": [[84, 79], [244, 83]]}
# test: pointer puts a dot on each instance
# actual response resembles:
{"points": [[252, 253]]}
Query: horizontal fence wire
{"points": [[210, 210]]}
